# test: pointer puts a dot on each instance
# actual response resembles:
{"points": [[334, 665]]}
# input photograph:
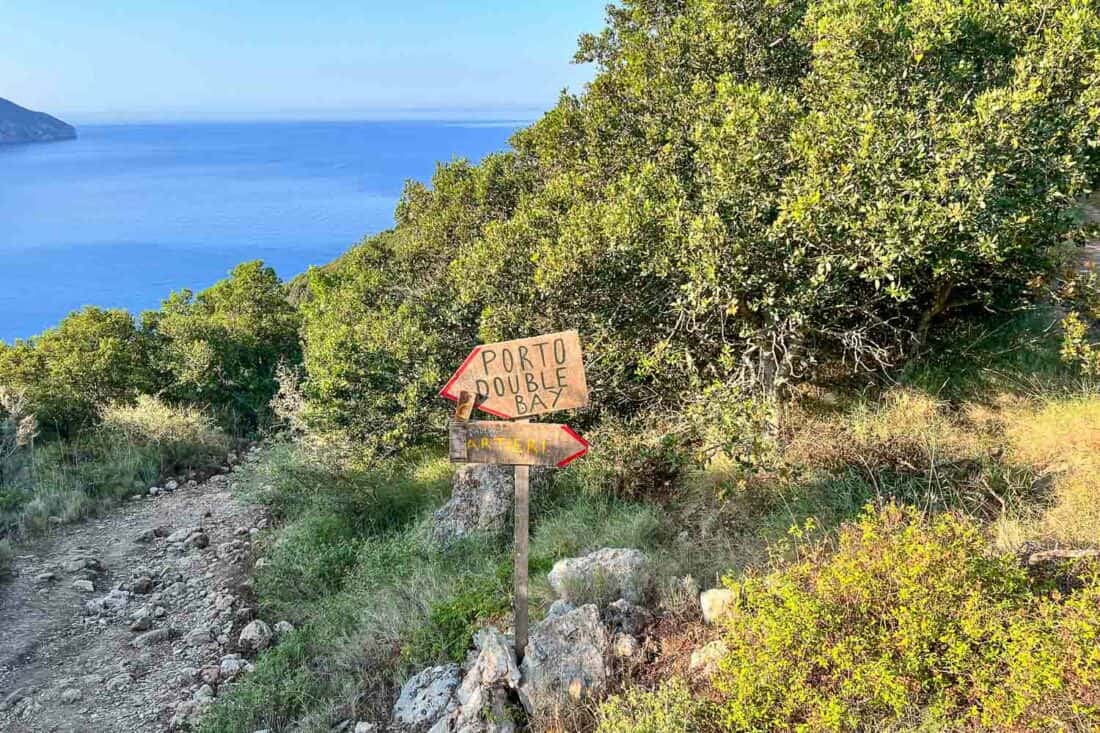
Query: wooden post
{"points": [[521, 521]]}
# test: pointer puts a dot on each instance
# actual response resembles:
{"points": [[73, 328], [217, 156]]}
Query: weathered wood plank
{"points": [[515, 443], [524, 377]]}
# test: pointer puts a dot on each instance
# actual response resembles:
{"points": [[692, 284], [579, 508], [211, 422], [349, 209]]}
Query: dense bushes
{"points": [[382, 325], [218, 350], [66, 479], [119, 405], [221, 348], [753, 193], [907, 625], [92, 358]]}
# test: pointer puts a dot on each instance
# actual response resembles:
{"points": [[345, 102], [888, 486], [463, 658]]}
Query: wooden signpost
{"points": [[516, 380], [515, 443], [525, 377]]}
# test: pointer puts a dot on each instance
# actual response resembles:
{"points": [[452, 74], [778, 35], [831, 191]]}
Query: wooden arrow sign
{"points": [[515, 443], [524, 377]]}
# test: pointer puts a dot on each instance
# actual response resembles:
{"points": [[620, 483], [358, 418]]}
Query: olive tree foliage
{"points": [[222, 347], [382, 325], [757, 191], [748, 194], [66, 374]]}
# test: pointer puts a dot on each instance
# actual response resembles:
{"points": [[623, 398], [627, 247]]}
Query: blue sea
{"points": [[125, 214]]}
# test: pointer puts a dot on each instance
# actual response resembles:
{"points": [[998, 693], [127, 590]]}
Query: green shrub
{"points": [[18, 429], [766, 191], [453, 621], [308, 562], [754, 194], [671, 708], [92, 358], [221, 348], [909, 620], [382, 328]]}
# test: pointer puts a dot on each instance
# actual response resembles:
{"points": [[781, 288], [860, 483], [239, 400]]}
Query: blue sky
{"points": [[132, 60]]}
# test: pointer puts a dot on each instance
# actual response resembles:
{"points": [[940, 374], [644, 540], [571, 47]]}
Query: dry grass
{"points": [[1060, 442], [904, 430]]}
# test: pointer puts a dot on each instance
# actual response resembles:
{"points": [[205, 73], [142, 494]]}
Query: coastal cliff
{"points": [[21, 125]]}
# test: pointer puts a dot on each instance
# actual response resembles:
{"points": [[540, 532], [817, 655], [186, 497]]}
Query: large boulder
{"points": [[256, 636], [565, 661], [601, 577], [480, 702], [426, 698], [481, 502]]}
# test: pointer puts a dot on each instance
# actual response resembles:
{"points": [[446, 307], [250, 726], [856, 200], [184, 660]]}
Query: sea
{"points": [[126, 214]]}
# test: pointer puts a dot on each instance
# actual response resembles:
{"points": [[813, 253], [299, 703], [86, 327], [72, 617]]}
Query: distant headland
{"points": [[21, 125]]}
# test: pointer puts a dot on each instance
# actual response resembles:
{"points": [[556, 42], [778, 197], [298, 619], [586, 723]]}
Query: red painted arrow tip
{"points": [[573, 456], [446, 391]]}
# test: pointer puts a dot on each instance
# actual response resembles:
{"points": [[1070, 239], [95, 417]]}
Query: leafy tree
{"points": [[94, 357], [221, 348], [382, 326], [757, 191], [749, 194]]}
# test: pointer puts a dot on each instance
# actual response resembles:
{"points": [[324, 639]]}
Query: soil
{"points": [[143, 649]]}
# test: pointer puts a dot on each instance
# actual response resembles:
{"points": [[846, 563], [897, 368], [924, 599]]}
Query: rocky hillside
{"points": [[21, 125]]}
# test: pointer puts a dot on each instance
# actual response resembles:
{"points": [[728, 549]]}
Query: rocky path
{"points": [[131, 621], [1091, 210]]}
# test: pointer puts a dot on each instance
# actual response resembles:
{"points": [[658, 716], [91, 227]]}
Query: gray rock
{"points": [[716, 604], [256, 636], [70, 695], [142, 585], [198, 636], [601, 576], [181, 535], [565, 660], [705, 659], [206, 692], [480, 702], [143, 623], [425, 698], [45, 577], [119, 682], [626, 648], [12, 699], [76, 565], [114, 602], [481, 502], [84, 585], [625, 617], [231, 665], [152, 637], [558, 607]]}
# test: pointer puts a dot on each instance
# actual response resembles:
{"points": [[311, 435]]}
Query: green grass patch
{"points": [[62, 480], [374, 599]]}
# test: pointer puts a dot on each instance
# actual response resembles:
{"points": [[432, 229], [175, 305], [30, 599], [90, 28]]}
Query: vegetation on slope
{"points": [[818, 253], [100, 408]]}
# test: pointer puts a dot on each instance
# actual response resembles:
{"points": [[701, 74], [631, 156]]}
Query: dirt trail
{"points": [[156, 634], [1091, 209]]}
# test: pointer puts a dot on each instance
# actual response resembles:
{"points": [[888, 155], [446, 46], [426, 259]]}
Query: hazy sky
{"points": [[94, 60]]}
